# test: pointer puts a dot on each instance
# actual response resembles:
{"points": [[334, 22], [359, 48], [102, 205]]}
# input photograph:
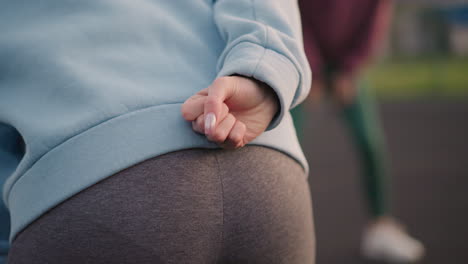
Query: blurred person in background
{"points": [[339, 37]]}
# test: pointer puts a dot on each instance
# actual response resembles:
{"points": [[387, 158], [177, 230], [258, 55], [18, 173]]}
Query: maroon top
{"points": [[342, 33]]}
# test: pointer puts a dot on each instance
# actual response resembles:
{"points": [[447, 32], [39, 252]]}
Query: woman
{"points": [[340, 37], [106, 169]]}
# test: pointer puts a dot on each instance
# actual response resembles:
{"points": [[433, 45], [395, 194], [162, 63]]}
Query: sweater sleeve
{"points": [[264, 41]]}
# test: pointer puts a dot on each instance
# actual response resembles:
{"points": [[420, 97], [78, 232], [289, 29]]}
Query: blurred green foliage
{"points": [[420, 77]]}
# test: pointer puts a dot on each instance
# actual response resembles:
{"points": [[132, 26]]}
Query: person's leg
{"points": [[267, 209], [361, 118], [384, 238]]}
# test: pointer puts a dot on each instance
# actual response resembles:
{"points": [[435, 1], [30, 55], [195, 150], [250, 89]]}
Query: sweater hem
{"points": [[112, 146]]}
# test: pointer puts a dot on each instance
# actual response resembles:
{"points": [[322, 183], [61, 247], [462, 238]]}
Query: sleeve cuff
{"points": [[268, 66]]}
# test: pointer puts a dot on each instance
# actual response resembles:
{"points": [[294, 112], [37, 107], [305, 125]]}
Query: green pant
{"points": [[363, 125]]}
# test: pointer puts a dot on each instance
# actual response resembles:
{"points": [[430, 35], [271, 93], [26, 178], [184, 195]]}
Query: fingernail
{"points": [[210, 121]]}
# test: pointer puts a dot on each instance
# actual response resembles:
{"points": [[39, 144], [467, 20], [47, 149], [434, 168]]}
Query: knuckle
{"points": [[229, 119], [212, 101], [222, 81], [225, 108], [218, 137], [239, 145], [242, 127], [236, 138], [185, 112]]}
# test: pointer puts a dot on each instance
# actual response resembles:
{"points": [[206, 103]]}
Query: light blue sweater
{"points": [[90, 87]]}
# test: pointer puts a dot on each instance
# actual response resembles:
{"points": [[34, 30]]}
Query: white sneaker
{"points": [[387, 241]]}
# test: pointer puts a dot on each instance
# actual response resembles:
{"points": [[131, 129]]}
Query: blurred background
{"points": [[426, 54], [421, 81]]}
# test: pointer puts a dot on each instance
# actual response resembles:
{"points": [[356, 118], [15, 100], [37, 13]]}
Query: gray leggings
{"points": [[193, 206]]}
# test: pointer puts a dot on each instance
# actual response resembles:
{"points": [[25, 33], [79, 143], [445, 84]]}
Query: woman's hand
{"points": [[232, 111], [344, 88]]}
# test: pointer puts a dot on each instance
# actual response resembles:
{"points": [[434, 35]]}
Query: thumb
{"points": [[218, 92]]}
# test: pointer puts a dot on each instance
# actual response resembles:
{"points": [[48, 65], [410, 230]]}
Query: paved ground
{"points": [[428, 143]]}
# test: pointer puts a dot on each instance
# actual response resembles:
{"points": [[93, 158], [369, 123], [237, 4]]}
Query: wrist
{"points": [[270, 98]]}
